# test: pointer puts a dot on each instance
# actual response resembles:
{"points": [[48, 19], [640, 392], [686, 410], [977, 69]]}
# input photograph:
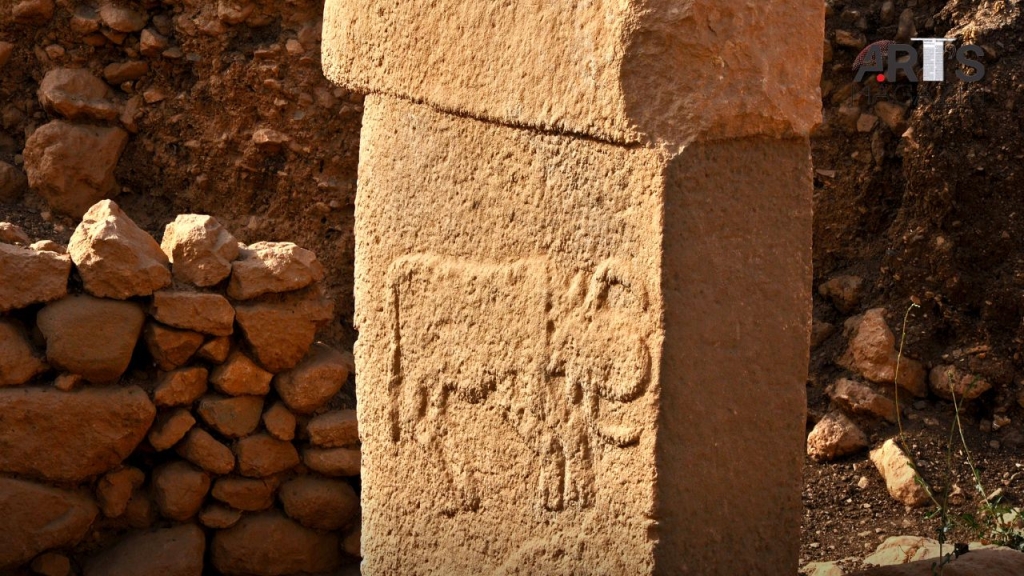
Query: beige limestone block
{"points": [[618, 70], [578, 357]]}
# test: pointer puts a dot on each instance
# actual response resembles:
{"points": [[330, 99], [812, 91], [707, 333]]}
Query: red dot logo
{"points": [[880, 78]]}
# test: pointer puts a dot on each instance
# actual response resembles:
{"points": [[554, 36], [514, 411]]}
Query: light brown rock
{"points": [[279, 422], [35, 12], [68, 382], [280, 332], [334, 429], [201, 312], [89, 336], [200, 249], [239, 375], [262, 455], [37, 518], [272, 267], [315, 380], [76, 94], [333, 461], [271, 545], [248, 494], [13, 234], [171, 348], [152, 43], [898, 472], [947, 381], [19, 362], [872, 354], [115, 257], [203, 450], [1000, 562], [835, 436], [843, 291], [857, 398], [175, 551], [48, 246], [31, 277], [219, 517], [51, 564], [216, 350], [118, 73], [115, 488], [122, 17], [319, 503], [170, 428], [180, 387], [72, 165], [13, 182], [70, 436], [612, 71], [179, 490], [233, 417]]}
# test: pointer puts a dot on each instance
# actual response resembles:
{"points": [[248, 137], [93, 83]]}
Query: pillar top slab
{"points": [[624, 71]]}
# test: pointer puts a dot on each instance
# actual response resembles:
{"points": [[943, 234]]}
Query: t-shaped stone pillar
{"points": [[583, 264]]}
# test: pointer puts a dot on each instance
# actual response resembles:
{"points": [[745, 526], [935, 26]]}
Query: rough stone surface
{"points": [[281, 332], [273, 267], [37, 518], [835, 436], [35, 12], [121, 17], [576, 349], [857, 398], [279, 422], [176, 551], [72, 165], [200, 249], [606, 69], [216, 350], [201, 312], [115, 488], [315, 380], [70, 436], [898, 472], [239, 375], [333, 461], [13, 234], [179, 490], [19, 362], [946, 381], [203, 450], [272, 545], [31, 277], [872, 354], [844, 292], [334, 429], [170, 347], [233, 417], [180, 387], [263, 455], [248, 494], [170, 428], [76, 94], [115, 257], [1002, 562], [90, 336], [118, 73], [219, 517], [319, 503], [13, 182]]}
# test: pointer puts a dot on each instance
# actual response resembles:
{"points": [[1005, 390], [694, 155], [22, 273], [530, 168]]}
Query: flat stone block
{"points": [[578, 357], [619, 70]]}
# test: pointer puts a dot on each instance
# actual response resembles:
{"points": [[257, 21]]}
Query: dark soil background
{"points": [[934, 214]]}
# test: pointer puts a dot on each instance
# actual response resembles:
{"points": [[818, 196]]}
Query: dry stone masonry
{"points": [[582, 282], [164, 408]]}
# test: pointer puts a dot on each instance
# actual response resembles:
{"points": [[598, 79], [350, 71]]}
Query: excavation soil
{"points": [[934, 214]]}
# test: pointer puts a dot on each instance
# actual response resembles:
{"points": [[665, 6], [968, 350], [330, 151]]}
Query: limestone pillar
{"points": [[583, 264]]}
